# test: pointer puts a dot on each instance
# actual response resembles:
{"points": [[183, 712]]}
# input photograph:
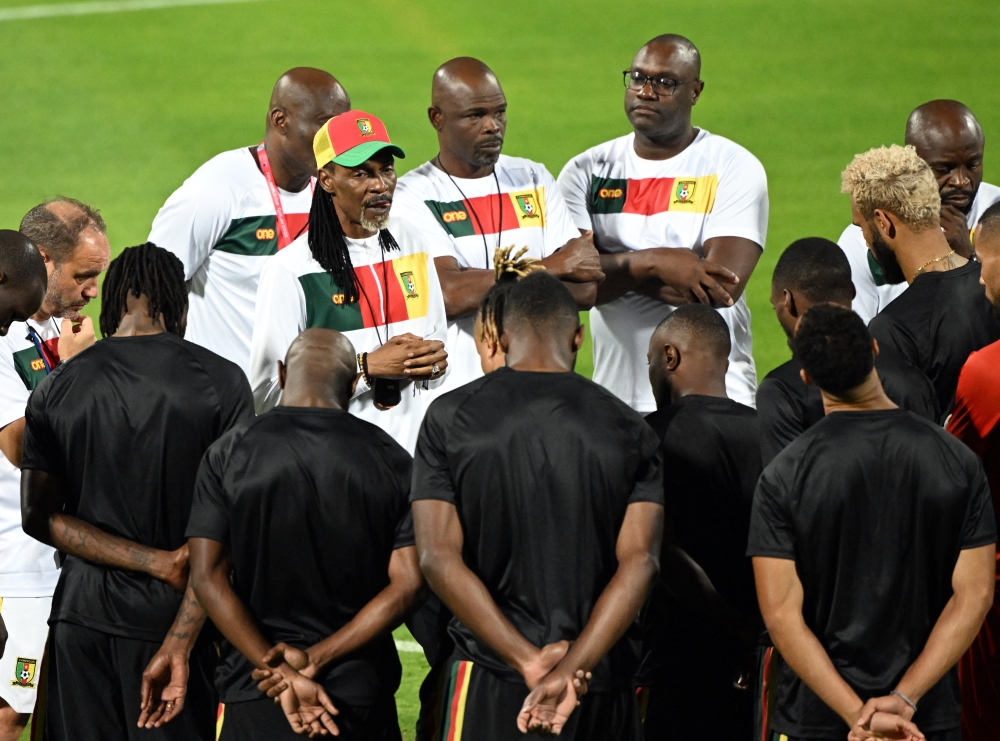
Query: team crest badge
{"points": [[411, 286], [527, 205], [24, 673], [365, 127], [685, 191]]}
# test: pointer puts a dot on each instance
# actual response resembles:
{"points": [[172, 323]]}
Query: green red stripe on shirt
{"points": [[487, 214], [651, 196]]}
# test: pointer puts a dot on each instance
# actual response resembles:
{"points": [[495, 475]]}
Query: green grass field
{"points": [[117, 109]]}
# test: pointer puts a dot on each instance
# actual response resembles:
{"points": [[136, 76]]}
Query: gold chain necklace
{"points": [[931, 262]]}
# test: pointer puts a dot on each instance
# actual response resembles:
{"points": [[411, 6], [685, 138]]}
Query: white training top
{"points": [[28, 568], [873, 293], [455, 217], [714, 188], [400, 293], [221, 223]]}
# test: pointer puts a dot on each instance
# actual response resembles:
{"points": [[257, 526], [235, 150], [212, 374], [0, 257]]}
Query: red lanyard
{"points": [[279, 212]]}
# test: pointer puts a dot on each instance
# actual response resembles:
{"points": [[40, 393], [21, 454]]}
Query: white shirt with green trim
{"points": [[463, 219], [28, 568], [400, 293], [221, 224]]}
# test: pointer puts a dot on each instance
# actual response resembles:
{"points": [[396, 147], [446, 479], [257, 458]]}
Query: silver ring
{"points": [[435, 370]]}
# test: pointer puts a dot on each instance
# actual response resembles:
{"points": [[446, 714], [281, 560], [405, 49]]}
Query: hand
{"points": [[164, 686], [886, 726], [547, 708], [408, 356], [75, 338], [272, 683], [956, 230], [544, 661], [174, 569], [577, 261], [885, 704], [306, 705], [689, 277]]}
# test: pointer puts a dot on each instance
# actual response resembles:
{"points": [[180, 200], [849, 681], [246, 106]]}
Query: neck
{"points": [[665, 146], [288, 174], [702, 385], [866, 397], [459, 168], [44, 313], [923, 247], [138, 323], [539, 355], [309, 398]]}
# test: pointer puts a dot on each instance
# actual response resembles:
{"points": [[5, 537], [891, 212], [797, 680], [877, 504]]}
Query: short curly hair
{"points": [[896, 180]]}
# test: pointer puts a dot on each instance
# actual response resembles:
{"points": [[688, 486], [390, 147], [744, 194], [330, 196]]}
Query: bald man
{"points": [[471, 199], [72, 252], [244, 205], [948, 137], [302, 552], [22, 279], [679, 216]]}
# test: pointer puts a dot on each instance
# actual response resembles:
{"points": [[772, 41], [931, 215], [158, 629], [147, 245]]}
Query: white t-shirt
{"points": [[27, 567], [456, 217], [714, 188], [221, 223], [296, 294], [873, 293]]}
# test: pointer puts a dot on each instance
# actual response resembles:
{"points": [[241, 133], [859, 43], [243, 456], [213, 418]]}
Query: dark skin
{"points": [[302, 101], [791, 302], [662, 125], [43, 498], [366, 191], [318, 372], [557, 673], [949, 138], [469, 113]]}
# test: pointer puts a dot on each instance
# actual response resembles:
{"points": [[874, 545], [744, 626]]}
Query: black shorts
{"points": [[952, 735], [262, 719], [676, 707], [94, 684], [473, 703]]}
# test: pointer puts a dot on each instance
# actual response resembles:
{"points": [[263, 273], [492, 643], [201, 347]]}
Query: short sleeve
{"points": [[431, 475], [779, 418], [409, 206], [235, 400], [574, 186], [741, 204], [980, 525], [42, 451], [977, 410], [648, 485], [404, 537], [209, 514], [772, 531], [888, 333], [559, 222], [13, 393]]}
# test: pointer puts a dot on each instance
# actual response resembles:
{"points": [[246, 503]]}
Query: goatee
{"points": [[886, 260]]}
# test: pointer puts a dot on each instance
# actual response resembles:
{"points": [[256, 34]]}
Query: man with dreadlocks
{"points": [[362, 273], [489, 318], [112, 445]]}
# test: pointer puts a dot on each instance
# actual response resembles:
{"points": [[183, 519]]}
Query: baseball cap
{"points": [[350, 139]]}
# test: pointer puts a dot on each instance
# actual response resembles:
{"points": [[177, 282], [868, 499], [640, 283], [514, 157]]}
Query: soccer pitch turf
{"points": [[118, 108]]}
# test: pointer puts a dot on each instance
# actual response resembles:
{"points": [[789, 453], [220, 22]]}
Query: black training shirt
{"points": [[711, 457], [936, 323], [788, 407], [874, 508], [312, 503], [124, 424], [541, 467]]}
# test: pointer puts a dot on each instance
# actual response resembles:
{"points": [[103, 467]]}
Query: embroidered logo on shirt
{"points": [[527, 205], [610, 193], [265, 234], [409, 285], [451, 216], [24, 673], [685, 191]]}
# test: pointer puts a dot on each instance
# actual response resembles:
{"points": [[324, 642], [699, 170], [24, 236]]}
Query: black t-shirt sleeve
{"points": [[779, 417], [431, 474], [649, 474], [772, 531], [209, 513], [980, 525], [890, 333], [404, 531], [236, 400], [42, 451]]}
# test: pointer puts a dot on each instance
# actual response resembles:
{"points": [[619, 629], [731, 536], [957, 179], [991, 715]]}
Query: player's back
{"points": [[543, 466]]}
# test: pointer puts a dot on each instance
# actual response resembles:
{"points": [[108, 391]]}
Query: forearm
{"points": [[623, 272], [231, 616], [83, 540], [12, 441], [690, 585], [585, 294], [188, 622], [469, 600], [464, 290]]}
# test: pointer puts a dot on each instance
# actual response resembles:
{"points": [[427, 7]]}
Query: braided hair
{"points": [[328, 243], [150, 271], [508, 269]]}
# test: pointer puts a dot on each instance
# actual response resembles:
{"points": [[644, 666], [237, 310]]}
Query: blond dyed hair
{"points": [[896, 180]]}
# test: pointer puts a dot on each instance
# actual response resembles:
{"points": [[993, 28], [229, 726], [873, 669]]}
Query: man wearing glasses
{"points": [[679, 216]]}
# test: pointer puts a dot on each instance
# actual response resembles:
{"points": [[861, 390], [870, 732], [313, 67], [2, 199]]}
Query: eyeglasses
{"points": [[636, 81]]}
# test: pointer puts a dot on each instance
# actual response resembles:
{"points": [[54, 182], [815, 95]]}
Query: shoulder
{"points": [[596, 157], [220, 369], [417, 183], [785, 374], [523, 169], [852, 240], [728, 156], [228, 171], [294, 258], [988, 195], [408, 236], [979, 371]]}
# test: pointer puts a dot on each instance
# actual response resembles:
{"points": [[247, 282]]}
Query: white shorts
{"points": [[27, 621]]}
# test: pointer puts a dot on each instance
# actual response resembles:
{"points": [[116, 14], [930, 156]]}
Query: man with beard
{"points": [[679, 216], [815, 271], [947, 137], [362, 273], [243, 205], [70, 236], [976, 422], [943, 315], [471, 200]]}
